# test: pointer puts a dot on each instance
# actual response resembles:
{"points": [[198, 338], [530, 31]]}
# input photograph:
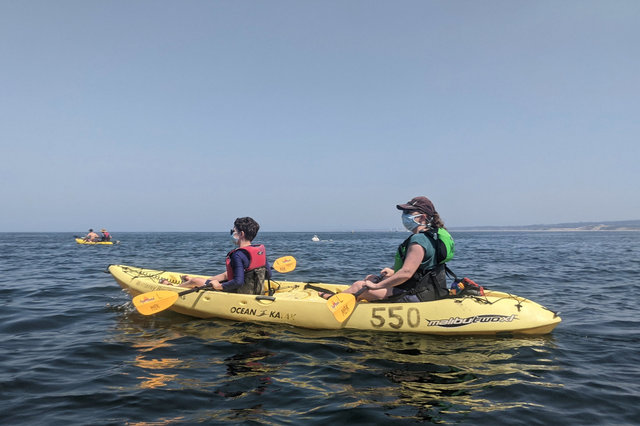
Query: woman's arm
{"points": [[415, 255]]}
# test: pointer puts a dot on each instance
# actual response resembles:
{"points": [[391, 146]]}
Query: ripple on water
{"points": [[74, 348]]}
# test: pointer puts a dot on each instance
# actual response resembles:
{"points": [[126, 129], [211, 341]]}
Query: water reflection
{"points": [[159, 422], [156, 379], [249, 372], [409, 377], [454, 375]]}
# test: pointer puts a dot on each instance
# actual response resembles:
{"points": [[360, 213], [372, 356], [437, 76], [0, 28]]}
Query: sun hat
{"points": [[421, 204]]}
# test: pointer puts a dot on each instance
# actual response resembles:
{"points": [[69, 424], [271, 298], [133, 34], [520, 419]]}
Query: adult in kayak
{"points": [[106, 236], [91, 236], [247, 265], [419, 273]]}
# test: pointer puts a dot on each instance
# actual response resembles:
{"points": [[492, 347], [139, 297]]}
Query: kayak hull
{"points": [[81, 241], [496, 313]]}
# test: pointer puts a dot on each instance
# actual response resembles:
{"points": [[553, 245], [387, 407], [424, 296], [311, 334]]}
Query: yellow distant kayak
{"points": [[82, 241], [294, 303]]}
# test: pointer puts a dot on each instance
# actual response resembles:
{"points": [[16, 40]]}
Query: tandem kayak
{"points": [[82, 241], [294, 303]]}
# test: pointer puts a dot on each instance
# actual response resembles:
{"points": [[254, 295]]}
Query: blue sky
{"points": [[316, 115]]}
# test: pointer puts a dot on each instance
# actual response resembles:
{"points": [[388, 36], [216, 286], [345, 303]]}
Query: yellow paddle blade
{"points": [[285, 264], [154, 301], [341, 305]]}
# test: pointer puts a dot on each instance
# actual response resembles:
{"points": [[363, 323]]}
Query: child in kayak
{"points": [[247, 265]]}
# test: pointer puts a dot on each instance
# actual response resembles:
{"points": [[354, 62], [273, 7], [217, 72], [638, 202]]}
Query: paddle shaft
{"points": [[362, 290], [194, 289], [320, 289], [325, 290]]}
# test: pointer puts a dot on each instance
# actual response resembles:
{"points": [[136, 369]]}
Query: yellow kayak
{"points": [[82, 241], [293, 303]]}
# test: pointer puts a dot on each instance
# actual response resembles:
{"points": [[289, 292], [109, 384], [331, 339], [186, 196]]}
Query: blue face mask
{"points": [[409, 222]]}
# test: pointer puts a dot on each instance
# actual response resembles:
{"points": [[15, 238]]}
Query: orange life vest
{"points": [[257, 258]]}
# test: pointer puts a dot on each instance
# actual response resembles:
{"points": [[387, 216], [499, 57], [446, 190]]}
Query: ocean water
{"points": [[75, 351]]}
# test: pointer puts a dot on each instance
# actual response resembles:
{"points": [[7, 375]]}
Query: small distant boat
{"points": [[315, 238], [82, 241]]}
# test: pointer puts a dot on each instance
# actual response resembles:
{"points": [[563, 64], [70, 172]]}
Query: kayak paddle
{"points": [[152, 302], [285, 264], [342, 305]]}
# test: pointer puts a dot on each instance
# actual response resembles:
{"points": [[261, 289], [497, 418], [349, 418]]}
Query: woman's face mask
{"points": [[409, 221]]}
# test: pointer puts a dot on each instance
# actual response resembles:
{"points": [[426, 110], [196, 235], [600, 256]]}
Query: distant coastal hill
{"points": [[623, 225]]}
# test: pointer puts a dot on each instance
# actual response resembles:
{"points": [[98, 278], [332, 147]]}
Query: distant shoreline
{"points": [[610, 226], [542, 230], [626, 225]]}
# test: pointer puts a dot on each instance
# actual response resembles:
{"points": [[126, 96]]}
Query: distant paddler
{"points": [[91, 236], [106, 236]]}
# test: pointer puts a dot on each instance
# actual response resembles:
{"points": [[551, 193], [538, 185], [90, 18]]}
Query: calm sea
{"points": [[74, 350]]}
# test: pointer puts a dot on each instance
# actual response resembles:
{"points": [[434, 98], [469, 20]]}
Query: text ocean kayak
{"points": [[293, 304]]}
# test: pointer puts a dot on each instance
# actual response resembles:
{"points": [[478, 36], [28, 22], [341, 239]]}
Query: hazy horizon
{"points": [[182, 116], [635, 222]]}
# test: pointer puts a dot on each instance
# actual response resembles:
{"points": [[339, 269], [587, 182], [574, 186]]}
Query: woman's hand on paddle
{"points": [[386, 272], [373, 278]]}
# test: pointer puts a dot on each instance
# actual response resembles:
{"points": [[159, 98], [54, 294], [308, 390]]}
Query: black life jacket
{"points": [[429, 282]]}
